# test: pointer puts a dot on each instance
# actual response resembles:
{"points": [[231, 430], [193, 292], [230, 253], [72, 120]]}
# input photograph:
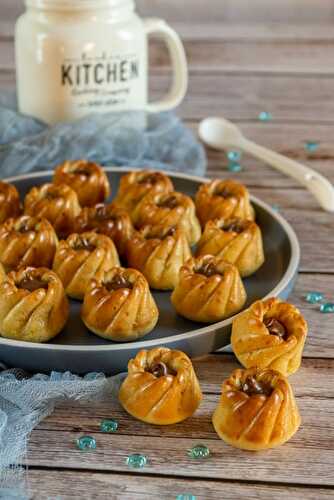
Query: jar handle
{"points": [[179, 86]]}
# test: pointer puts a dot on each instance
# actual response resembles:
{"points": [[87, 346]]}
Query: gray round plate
{"points": [[80, 351]]}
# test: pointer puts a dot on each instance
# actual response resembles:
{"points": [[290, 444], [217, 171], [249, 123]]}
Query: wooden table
{"points": [[244, 57]]}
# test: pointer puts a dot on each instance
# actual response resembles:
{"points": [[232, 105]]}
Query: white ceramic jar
{"points": [[75, 57]]}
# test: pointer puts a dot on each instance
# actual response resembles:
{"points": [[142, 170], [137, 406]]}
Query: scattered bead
{"points": [[199, 451], [108, 425], [275, 207], [234, 156], [234, 167], [327, 308], [86, 443], [136, 461], [185, 496], [311, 146], [264, 116], [314, 297]]}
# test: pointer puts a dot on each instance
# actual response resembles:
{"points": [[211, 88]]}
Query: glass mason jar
{"points": [[75, 57]]}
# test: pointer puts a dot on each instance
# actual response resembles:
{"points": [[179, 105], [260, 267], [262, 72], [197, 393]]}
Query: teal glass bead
{"points": [[275, 207], [311, 146], [199, 451], [108, 425], [327, 308], [234, 156], [136, 461], [264, 116], [314, 297], [86, 443], [234, 167], [185, 496]]}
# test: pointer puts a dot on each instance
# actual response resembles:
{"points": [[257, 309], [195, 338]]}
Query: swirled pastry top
{"points": [[86, 178], [9, 201]]}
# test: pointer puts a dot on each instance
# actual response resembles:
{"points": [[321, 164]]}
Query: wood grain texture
{"points": [[101, 486]]}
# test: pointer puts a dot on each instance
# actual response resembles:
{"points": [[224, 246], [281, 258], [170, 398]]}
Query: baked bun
{"points": [[209, 289], [9, 201], [57, 203], [223, 199], [270, 334], [137, 184], [33, 305], [120, 306], [27, 241], [109, 220], [161, 387], [238, 241], [257, 410], [86, 178], [169, 210], [159, 253], [81, 258]]}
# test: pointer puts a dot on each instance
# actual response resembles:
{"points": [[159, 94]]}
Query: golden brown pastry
{"points": [[257, 410], [238, 241], [120, 306], [223, 199], [161, 387], [209, 289], [33, 305], [81, 258], [109, 220], [57, 203], [159, 253], [27, 241], [3, 274], [169, 210], [86, 178], [270, 334], [9, 201], [135, 185]]}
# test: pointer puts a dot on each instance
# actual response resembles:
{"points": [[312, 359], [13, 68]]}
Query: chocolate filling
{"points": [[234, 225], [275, 327], [24, 227], [83, 244], [208, 269], [224, 192], [101, 213], [51, 195], [118, 282], [32, 284], [81, 171], [160, 369], [149, 179], [170, 202], [251, 386]]}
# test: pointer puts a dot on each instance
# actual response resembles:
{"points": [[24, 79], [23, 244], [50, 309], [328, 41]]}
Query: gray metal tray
{"points": [[81, 351]]}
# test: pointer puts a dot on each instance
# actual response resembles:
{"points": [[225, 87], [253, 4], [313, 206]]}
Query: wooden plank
{"points": [[211, 371], [68, 485], [167, 455]]}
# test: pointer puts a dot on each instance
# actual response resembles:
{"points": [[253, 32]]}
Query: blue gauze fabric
{"points": [[28, 145]]}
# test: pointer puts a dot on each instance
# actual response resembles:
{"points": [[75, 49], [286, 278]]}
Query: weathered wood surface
{"points": [[274, 56]]}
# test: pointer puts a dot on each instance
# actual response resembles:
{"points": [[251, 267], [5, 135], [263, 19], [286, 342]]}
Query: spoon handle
{"points": [[318, 185]]}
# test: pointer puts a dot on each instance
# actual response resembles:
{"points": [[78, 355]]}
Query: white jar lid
{"points": [[76, 4]]}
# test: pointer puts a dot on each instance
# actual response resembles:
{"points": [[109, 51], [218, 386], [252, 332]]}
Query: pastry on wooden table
{"points": [[119, 306], [33, 305], [109, 220], [161, 387], [209, 289], [169, 210], [9, 201], [137, 184], [159, 253], [86, 178], [57, 203], [257, 410], [270, 334], [238, 241], [223, 199], [82, 257], [27, 241]]}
